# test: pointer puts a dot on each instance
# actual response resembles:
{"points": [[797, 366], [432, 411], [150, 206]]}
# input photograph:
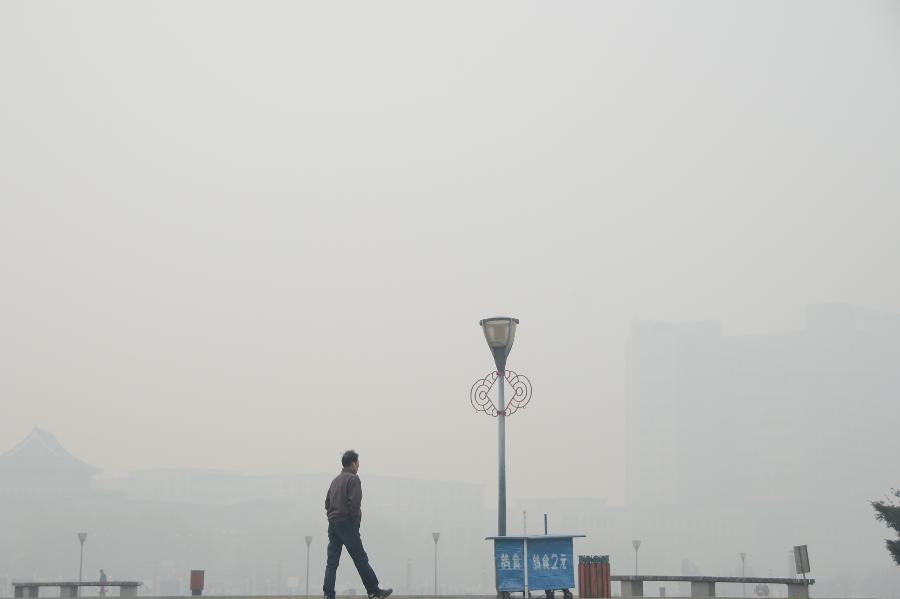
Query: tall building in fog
{"points": [[727, 422]]}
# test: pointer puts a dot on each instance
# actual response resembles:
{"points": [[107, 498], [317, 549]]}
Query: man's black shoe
{"points": [[381, 594]]}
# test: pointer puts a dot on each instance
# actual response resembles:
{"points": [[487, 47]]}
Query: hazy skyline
{"points": [[251, 236]]}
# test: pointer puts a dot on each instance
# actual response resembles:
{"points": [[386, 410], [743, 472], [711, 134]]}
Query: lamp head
{"points": [[499, 332]]}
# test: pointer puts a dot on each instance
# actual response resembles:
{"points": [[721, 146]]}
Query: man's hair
{"points": [[349, 457]]}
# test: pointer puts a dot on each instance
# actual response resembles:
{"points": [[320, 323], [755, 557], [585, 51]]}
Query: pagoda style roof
{"points": [[41, 451]]}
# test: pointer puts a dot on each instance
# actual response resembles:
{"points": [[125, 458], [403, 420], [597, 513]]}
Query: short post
{"points": [[799, 590], [632, 588], [700, 588]]}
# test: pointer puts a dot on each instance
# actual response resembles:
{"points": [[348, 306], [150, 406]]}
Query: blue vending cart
{"points": [[534, 563]]}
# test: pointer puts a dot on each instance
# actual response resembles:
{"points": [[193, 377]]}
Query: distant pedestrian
{"points": [[102, 583], [342, 505]]}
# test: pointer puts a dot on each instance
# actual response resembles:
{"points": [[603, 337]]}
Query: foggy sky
{"points": [[250, 236]]}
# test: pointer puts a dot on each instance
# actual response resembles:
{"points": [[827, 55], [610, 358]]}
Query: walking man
{"points": [[342, 504]]}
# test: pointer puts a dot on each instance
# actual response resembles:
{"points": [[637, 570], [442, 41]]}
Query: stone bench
{"points": [[127, 588], [705, 586]]}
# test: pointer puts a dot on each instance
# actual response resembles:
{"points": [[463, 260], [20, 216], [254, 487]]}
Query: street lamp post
{"points": [[409, 575], [637, 545], [308, 541], [500, 332], [435, 536], [743, 574], [82, 537]]}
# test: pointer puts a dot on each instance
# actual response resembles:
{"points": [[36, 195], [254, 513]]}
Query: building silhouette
{"points": [[761, 442], [758, 420], [247, 530], [40, 466]]}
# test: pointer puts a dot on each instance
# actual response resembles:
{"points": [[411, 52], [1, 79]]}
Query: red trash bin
{"points": [[593, 576], [197, 582]]}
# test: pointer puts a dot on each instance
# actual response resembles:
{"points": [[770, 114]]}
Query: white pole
{"points": [[525, 561], [82, 536], [501, 495], [743, 574], [525, 548], [435, 536], [636, 544], [308, 541]]}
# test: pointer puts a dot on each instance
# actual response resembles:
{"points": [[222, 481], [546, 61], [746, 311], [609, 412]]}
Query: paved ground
{"points": [[113, 596]]}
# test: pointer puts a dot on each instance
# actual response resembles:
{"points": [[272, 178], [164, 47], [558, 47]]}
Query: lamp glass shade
{"points": [[82, 536], [499, 332]]}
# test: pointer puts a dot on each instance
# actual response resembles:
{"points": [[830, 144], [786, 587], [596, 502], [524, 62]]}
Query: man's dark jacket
{"points": [[344, 497]]}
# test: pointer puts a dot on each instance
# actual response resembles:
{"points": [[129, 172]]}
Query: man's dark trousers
{"points": [[345, 533]]}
